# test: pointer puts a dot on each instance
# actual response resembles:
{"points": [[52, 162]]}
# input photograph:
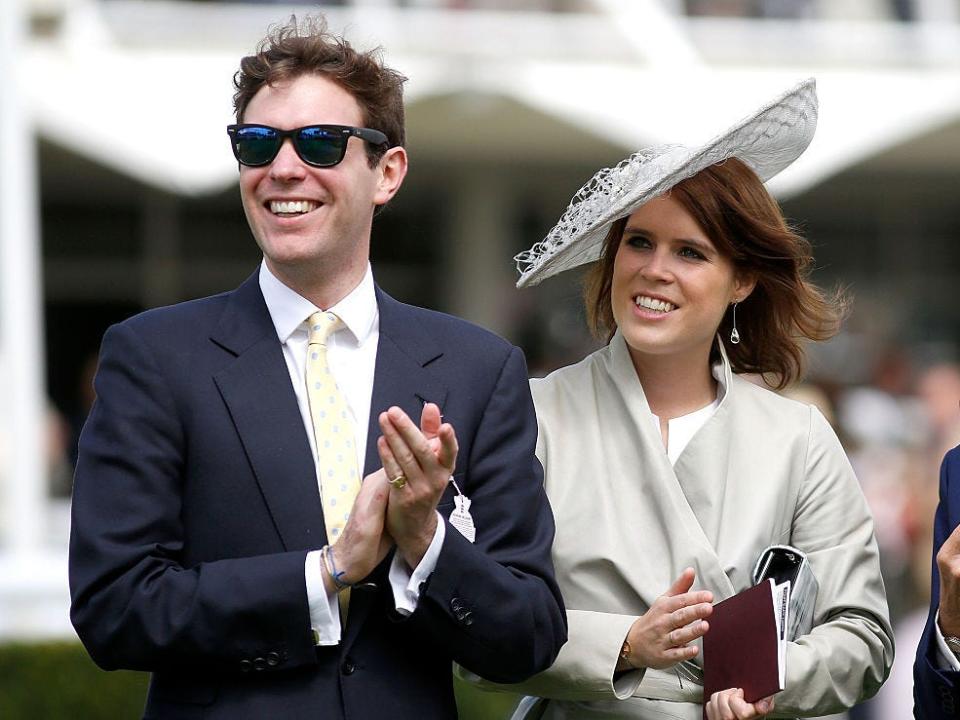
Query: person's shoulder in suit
{"points": [[453, 334], [936, 692], [190, 316], [951, 463]]}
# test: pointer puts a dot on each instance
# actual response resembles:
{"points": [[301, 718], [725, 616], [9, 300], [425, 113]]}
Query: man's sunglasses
{"points": [[317, 145]]}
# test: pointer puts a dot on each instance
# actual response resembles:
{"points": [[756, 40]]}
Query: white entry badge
{"points": [[460, 517]]}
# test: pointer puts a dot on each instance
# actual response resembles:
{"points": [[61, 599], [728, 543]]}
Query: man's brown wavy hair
{"points": [[308, 47], [732, 206]]}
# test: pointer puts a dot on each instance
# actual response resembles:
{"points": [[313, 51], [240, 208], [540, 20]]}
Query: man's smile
{"points": [[291, 208]]}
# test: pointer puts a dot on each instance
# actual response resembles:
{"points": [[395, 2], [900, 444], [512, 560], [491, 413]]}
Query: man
{"points": [[936, 670], [221, 536]]}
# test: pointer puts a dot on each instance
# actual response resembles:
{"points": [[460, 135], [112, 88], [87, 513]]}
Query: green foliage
{"points": [[476, 704], [58, 680]]}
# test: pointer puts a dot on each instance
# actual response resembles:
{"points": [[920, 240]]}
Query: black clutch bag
{"points": [[786, 564]]}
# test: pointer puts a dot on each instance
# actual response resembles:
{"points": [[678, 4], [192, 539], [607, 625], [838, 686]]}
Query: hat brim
{"points": [[768, 141]]}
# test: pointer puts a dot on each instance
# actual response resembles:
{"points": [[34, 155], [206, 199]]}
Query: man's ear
{"points": [[393, 169]]}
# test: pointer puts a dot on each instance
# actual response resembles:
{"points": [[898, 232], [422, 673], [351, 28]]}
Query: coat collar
{"points": [[621, 367], [245, 320]]}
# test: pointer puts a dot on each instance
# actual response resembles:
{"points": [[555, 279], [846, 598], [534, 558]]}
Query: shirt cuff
{"points": [[945, 657], [406, 585], [324, 609]]}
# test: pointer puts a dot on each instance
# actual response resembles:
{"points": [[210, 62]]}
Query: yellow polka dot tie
{"points": [[333, 432]]}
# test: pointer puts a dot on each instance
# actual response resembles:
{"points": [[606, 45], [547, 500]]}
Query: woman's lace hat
{"points": [[767, 141]]}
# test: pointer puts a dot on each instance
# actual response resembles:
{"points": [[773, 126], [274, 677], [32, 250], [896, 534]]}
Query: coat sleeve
{"points": [[585, 669], [848, 655], [495, 604], [134, 602], [936, 692]]}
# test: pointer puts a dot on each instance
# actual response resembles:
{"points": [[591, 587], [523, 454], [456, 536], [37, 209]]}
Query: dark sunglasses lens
{"points": [[320, 146], [257, 145]]}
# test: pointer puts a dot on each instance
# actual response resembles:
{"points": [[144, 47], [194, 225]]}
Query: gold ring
{"points": [[399, 481]]}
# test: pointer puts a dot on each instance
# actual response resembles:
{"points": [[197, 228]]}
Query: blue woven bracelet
{"points": [[331, 564]]}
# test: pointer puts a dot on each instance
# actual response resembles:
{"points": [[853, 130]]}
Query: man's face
{"points": [[312, 223]]}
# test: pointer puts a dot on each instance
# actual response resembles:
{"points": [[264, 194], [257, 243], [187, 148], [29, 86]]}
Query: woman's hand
{"points": [[659, 638], [730, 705]]}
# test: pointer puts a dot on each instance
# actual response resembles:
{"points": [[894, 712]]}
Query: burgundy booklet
{"points": [[745, 646]]}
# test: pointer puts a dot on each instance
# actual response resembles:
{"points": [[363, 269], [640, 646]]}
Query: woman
{"points": [[668, 473]]}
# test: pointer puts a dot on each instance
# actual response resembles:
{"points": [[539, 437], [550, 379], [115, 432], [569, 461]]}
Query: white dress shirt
{"points": [[680, 430], [352, 355], [948, 661]]}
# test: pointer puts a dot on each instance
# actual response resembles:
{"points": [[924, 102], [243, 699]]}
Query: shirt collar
{"points": [[289, 310]]}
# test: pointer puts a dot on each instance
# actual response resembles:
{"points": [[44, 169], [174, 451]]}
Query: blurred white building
{"points": [[511, 107]]}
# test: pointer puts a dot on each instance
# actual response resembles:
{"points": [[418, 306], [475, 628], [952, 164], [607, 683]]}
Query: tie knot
{"points": [[321, 325]]}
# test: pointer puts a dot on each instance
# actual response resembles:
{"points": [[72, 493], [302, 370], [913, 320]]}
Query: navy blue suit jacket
{"points": [[936, 693], [196, 501]]}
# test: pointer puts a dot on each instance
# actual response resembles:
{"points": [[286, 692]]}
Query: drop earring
{"points": [[735, 334]]}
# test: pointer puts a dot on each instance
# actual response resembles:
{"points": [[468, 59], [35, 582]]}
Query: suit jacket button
{"points": [[246, 666], [466, 618], [455, 605], [259, 664], [349, 667], [273, 659]]}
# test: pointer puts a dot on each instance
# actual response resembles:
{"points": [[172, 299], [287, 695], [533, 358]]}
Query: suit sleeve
{"points": [[495, 604], [134, 602], [848, 655], [936, 692]]}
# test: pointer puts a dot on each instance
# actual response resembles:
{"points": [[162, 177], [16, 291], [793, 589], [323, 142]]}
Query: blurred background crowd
{"points": [[118, 193]]}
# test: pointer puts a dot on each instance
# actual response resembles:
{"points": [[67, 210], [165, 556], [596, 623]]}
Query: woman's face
{"points": [[671, 286]]}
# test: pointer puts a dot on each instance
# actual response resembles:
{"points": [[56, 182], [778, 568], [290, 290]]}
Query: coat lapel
{"points": [[705, 464], [680, 523], [256, 389], [402, 377]]}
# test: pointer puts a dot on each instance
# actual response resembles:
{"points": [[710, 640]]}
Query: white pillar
{"points": [[22, 410], [477, 262]]}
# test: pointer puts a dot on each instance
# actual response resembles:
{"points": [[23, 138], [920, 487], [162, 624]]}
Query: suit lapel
{"points": [[403, 378], [256, 389]]}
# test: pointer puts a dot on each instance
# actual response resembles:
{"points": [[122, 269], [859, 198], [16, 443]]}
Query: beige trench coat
{"points": [[763, 470]]}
